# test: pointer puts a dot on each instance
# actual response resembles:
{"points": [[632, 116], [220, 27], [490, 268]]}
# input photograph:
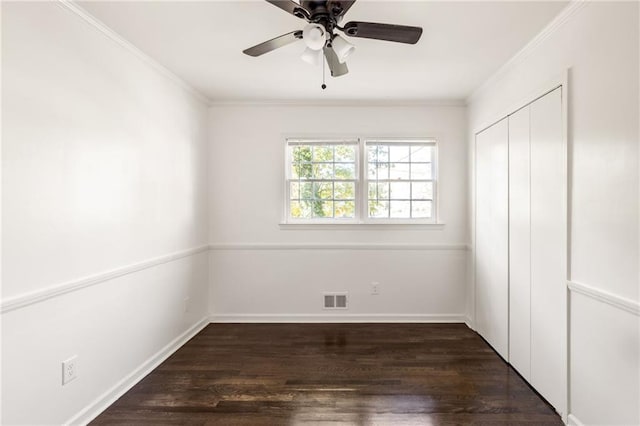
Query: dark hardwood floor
{"points": [[352, 374]]}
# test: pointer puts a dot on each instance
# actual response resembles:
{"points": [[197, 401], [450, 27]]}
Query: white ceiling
{"points": [[462, 45]]}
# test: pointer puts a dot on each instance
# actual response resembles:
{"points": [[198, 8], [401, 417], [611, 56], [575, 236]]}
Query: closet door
{"points": [[548, 249], [519, 244], [492, 257]]}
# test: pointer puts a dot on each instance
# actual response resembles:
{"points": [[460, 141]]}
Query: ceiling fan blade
{"points": [[388, 32], [274, 43], [292, 7], [342, 5], [337, 69]]}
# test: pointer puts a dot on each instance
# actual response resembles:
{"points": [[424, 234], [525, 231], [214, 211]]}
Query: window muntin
{"points": [[400, 179], [322, 179]]}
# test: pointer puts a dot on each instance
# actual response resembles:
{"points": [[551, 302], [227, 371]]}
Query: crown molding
{"points": [[340, 103], [558, 22], [74, 8]]}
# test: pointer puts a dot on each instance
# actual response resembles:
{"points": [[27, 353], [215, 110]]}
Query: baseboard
{"points": [[469, 322], [337, 318], [573, 421], [109, 397]]}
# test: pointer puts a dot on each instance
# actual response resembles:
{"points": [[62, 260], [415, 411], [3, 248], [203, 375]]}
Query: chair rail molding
{"points": [[23, 300], [614, 300], [338, 246]]}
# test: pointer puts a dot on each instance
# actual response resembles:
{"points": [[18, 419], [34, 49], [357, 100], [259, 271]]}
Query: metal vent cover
{"points": [[335, 301]]}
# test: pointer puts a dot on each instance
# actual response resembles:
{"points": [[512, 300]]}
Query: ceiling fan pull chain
{"points": [[324, 86]]}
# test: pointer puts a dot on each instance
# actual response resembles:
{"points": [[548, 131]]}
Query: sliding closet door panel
{"points": [[548, 231], [492, 257], [519, 244]]}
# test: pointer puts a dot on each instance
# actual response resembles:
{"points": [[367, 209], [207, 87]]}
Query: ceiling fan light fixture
{"points": [[342, 48], [314, 36], [313, 57]]}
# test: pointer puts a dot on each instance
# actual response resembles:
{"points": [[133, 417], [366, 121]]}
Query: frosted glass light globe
{"points": [[314, 36]]}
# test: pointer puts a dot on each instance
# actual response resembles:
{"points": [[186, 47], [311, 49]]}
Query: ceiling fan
{"points": [[324, 17]]}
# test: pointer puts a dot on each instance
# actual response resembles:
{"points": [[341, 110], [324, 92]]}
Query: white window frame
{"points": [[361, 182]]}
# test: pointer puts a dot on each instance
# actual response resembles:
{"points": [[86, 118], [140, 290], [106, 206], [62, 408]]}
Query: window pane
{"points": [[345, 171], [301, 171], [383, 190], [372, 171], [379, 190], [421, 154], [344, 190], [322, 208], [323, 190], [306, 190], [373, 190], [398, 153], [421, 171], [294, 190], [400, 209], [383, 153], [421, 209], [323, 171], [301, 153], [372, 155], [400, 190], [422, 190], [301, 209], [345, 209], [378, 208], [345, 153], [383, 171], [399, 171], [322, 153]]}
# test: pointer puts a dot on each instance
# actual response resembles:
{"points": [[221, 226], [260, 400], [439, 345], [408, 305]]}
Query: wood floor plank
{"points": [[351, 374]]}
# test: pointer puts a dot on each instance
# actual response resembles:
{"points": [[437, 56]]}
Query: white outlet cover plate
{"points": [[69, 369]]}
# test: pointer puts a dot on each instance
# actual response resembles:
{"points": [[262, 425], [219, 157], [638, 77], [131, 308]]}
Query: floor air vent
{"points": [[335, 300]]}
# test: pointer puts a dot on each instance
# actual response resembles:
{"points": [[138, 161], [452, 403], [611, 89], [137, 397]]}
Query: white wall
{"points": [[262, 271], [103, 170], [598, 42]]}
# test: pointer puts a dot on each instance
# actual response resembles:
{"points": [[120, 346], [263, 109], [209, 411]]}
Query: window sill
{"points": [[360, 226]]}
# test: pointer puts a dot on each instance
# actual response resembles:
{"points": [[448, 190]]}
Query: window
{"points": [[400, 179], [322, 179], [325, 183]]}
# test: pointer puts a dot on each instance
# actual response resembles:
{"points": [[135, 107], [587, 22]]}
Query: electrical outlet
{"points": [[186, 304], [375, 288], [69, 369]]}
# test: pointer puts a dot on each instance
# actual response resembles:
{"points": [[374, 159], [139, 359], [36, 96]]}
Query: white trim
{"points": [[339, 103], [101, 403], [337, 318], [573, 421], [560, 20], [469, 322], [631, 306], [71, 6], [336, 246], [23, 300], [369, 225]]}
